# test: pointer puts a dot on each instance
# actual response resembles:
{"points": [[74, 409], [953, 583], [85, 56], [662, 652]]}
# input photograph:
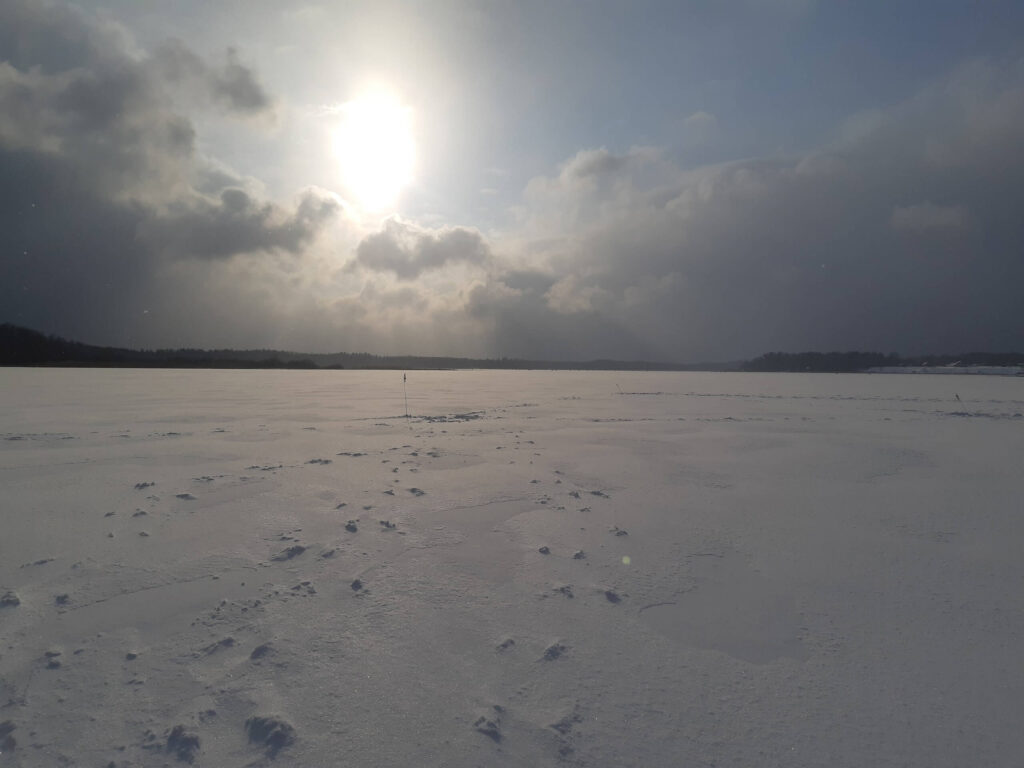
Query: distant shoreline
{"points": [[24, 347]]}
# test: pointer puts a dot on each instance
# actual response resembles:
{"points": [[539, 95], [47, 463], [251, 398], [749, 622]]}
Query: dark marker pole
{"points": [[406, 394]]}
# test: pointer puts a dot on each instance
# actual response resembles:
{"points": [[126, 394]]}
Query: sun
{"points": [[375, 149]]}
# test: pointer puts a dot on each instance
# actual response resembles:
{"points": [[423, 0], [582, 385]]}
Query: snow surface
{"points": [[742, 569]]}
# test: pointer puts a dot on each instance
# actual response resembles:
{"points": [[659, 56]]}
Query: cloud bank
{"points": [[102, 188], [901, 233]]}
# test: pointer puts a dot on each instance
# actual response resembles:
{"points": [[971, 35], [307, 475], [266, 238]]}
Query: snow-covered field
{"points": [[536, 569]]}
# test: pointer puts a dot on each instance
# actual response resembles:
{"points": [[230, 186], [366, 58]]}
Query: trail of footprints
{"points": [[267, 731]]}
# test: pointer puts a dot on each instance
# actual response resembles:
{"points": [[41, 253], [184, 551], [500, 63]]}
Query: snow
{"points": [[742, 569]]}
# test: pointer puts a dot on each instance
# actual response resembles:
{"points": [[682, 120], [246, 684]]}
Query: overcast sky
{"points": [[692, 180]]}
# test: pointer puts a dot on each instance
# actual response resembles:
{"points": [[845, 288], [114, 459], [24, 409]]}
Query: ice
{"points": [[820, 570]]}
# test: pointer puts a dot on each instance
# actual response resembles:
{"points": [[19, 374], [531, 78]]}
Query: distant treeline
{"points": [[851, 362], [25, 347]]}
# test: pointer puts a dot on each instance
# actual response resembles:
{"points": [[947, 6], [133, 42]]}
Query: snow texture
{"points": [[820, 570]]}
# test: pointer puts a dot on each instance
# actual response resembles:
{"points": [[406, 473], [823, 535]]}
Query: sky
{"points": [[685, 181]]}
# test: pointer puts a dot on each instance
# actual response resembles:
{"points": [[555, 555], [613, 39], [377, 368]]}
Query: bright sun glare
{"points": [[375, 148]]}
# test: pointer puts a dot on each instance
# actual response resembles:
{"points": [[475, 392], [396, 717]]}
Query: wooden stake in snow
{"points": [[406, 394]]}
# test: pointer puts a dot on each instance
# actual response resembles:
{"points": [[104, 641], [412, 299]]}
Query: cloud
{"points": [[233, 85], [236, 223], [802, 251], [236, 85], [408, 250], [902, 234], [102, 190], [591, 163]]}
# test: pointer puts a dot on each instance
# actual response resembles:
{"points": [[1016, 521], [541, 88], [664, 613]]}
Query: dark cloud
{"points": [[102, 191], [232, 85], [236, 223], [408, 250], [56, 37], [236, 85], [520, 322], [901, 236]]}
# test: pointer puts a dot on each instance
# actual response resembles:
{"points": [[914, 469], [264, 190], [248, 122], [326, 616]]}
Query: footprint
{"points": [[289, 553], [554, 651], [225, 642], [489, 724], [270, 732], [260, 651], [182, 744]]}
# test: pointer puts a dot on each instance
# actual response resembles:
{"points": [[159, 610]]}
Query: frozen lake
{"points": [[740, 569]]}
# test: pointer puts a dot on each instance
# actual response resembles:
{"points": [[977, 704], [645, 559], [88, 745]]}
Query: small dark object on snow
{"points": [[579, 554], [351, 527], [613, 597], [356, 585], [271, 732], [545, 550]]}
